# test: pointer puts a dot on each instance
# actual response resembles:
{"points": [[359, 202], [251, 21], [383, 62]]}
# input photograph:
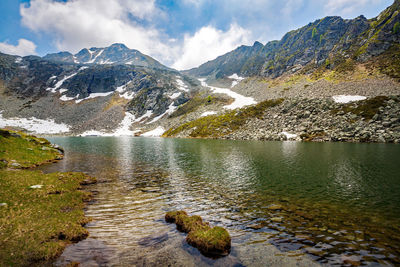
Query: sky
{"points": [[179, 33]]}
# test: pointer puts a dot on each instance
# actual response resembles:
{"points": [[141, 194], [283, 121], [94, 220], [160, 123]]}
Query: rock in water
{"points": [[214, 242]]}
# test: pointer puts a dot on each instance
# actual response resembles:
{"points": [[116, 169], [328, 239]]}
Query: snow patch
{"points": [[76, 61], [59, 83], [157, 132], [35, 125], [124, 126], [18, 60], [236, 77], [181, 85], [171, 109], [36, 186], [92, 60], [175, 95], [128, 95], [239, 100], [94, 95], [122, 130], [343, 99], [66, 98], [208, 113], [146, 115], [121, 89], [289, 136]]}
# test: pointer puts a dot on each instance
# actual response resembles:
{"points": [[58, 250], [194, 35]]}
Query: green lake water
{"points": [[284, 203]]}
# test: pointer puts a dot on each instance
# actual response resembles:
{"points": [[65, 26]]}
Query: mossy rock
{"points": [[4, 133], [188, 224], [171, 216], [214, 242]]}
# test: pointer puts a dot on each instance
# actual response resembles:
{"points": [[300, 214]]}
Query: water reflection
{"points": [[337, 200]]}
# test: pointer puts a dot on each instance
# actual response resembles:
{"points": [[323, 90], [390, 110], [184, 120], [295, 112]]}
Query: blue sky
{"points": [[179, 33]]}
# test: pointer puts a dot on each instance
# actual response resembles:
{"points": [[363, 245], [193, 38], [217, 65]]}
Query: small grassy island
{"points": [[39, 213], [214, 242]]}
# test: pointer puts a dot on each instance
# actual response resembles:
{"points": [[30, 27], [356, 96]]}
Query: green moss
{"points": [[396, 28], [215, 126], [214, 241], [196, 102], [389, 62], [366, 108], [314, 33], [25, 150], [37, 223], [171, 216]]}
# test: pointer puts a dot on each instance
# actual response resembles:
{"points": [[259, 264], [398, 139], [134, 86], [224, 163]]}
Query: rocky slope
{"points": [[321, 119], [90, 97], [327, 43]]}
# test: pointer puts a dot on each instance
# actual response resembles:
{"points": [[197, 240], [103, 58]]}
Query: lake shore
{"points": [[40, 214]]}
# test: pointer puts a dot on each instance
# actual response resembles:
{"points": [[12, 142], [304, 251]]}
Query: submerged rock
{"points": [[214, 241], [275, 207]]}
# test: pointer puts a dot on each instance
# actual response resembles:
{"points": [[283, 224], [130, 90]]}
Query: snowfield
{"points": [[181, 85], [122, 130], [240, 100], [343, 99], [208, 113], [157, 132], [35, 125], [289, 136]]}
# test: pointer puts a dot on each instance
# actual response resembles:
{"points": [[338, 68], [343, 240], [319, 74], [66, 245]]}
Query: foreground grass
{"points": [[25, 150], [39, 213]]}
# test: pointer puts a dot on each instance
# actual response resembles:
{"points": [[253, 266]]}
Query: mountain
{"points": [[328, 42], [90, 97], [114, 54]]}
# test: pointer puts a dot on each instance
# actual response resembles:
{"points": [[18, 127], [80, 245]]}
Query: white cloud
{"points": [[209, 43], [346, 7], [85, 23], [23, 48]]}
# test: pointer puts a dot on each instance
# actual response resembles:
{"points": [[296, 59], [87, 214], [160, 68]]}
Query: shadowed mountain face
{"points": [[114, 54], [325, 42]]}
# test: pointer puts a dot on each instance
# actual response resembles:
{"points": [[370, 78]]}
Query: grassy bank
{"points": [[215, 126], [39, 213]]}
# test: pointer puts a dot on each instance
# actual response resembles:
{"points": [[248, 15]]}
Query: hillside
{"points": [[329, 43], [92, 97]]}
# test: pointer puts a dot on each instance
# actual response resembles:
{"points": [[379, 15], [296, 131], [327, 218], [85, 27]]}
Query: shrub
{"points": [[314, 33], [396, 28]]}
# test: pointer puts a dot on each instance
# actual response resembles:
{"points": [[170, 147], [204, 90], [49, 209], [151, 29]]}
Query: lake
{"points": [[284, 203]]}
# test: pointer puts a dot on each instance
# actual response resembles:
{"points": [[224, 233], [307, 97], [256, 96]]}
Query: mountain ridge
{"points": [[326, 42], [116, 53]]}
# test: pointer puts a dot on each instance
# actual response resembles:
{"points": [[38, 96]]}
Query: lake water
{"points": [[339, 202]]}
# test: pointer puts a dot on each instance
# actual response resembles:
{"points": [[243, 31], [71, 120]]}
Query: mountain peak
{"points": [[119, 45], [116, 53]]}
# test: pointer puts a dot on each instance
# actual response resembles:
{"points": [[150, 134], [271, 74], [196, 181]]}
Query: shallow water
{"points": [[339, 203]]}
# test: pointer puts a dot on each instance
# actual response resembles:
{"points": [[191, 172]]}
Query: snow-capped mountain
{"points": [[114, 54]]}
